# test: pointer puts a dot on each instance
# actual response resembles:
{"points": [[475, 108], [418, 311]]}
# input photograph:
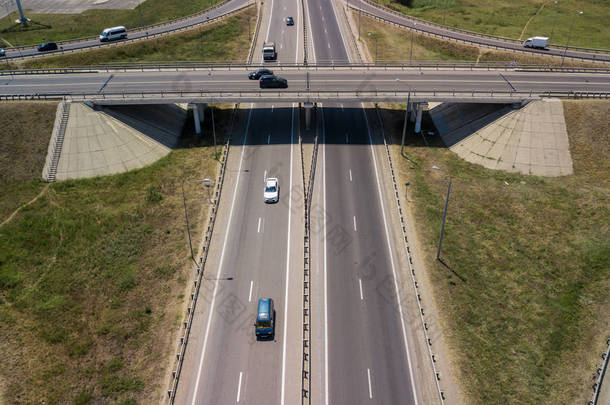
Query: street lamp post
{"points": [[440, 239], [374, 36], [207, 183], [570, 35], [445, 11]]}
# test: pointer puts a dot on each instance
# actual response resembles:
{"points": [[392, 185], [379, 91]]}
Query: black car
{"points": [[270, 81], [2, 53], [47, 46], [259, 73], [289, 21]]}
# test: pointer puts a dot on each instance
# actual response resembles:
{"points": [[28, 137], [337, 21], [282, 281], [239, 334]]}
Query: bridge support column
{"points": [[412, 111], [308, 107], [197, 115], [420, 110]]}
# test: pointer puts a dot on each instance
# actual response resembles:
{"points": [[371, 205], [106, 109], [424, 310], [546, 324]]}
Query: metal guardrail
{"points": [[474, 33], [601, 373], [419, 29], [304, 32], [424, 324], [237, 65], [133, 30], [152, 97], [171, 392], [259, 12], [62, 51]]}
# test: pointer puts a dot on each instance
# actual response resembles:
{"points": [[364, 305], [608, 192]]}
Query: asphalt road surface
{"points": [[359, 352], [320, 80], [257, 255]]}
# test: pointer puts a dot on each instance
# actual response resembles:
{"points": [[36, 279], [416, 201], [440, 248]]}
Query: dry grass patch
{"points": [[394, 44], [26, 130], [226, 40], [525, 287]]}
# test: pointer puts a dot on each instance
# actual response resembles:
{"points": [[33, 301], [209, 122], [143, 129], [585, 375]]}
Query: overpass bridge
{"points": [[345, 83]]}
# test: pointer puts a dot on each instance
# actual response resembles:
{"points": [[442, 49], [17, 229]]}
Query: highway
{"points": [[360, 353], [257, 252], [221, 10], [339, 79], [472, 38]]}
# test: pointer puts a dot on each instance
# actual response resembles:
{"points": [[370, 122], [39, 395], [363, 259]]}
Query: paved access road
{"points": [[471, 37], [228, 7], [319, 80], [256, 252]]}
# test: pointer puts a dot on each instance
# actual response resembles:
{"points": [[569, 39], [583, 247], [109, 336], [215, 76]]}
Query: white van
{"points": [[110, 34]]}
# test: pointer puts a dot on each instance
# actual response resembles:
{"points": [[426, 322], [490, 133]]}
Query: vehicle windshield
{"points": [[270, 189], [263, 324]]}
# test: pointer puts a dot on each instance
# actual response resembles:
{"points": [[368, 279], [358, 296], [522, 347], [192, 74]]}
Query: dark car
{"points": [[259, 73], [2, 53], [47, 46], [289, 21], [270, 81]]}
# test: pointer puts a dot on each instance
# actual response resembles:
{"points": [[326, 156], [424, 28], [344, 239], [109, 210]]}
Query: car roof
{"points": [[264, 308], [267, 76]]}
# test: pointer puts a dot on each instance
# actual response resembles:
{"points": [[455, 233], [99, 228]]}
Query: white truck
{"points": [[536, 42], [269, 51]]}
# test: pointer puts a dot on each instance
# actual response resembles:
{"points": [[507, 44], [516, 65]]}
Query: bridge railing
{"points": [[320, 65], [154, 97]]}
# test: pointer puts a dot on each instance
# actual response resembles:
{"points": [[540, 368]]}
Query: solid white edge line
{"points": [[287, 264], [239, 386], [325, 264], [368, 372], [222, 256], [347, 52], [387, 235], [250, 294], [361, 295], [269, 26]]}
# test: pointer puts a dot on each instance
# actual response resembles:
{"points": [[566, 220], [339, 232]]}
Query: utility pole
{"points": [[202, 47], [445, 11], [569, 36], [411, 53]]}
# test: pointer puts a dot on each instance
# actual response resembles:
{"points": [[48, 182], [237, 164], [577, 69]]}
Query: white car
{"points": [[272, 190]]}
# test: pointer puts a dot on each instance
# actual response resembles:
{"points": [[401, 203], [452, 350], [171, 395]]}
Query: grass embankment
{"points": [[26, 130], [93, 278], [227, 40], [92, 22], [518, 18], [390, 43], [525, 288]]}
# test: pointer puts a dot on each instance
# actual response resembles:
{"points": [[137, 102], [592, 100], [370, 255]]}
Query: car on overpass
{"points": [[272, 81], [2, 52], [259, 73], [272, 190]]}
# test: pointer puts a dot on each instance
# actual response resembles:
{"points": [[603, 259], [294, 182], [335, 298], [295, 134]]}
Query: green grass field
{"points": [[92, 22], [227, 40], [93, 273], [524, 292], [519, 18], [389, 43]]}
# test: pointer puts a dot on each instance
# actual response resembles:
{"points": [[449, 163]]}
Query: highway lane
{"points": [[132, 35], [359, 353], [259, 251], [319, 80], [473, 38]]}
